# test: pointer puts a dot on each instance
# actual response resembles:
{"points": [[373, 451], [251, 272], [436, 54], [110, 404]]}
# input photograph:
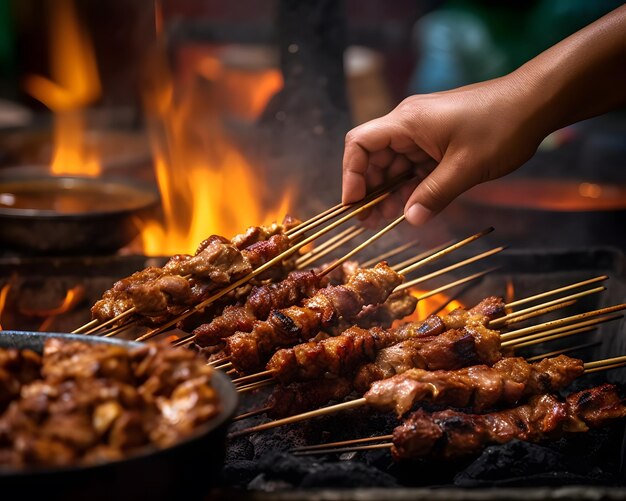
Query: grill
{"points": [[261, 462]]}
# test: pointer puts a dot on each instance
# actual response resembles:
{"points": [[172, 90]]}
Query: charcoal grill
{"points": [[260, 463]]}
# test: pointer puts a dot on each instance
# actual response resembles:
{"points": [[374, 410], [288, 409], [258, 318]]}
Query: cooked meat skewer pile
{"points": [[450, 434], [184, 280], [288, 326]]}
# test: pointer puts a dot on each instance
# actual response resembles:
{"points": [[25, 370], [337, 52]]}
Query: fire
{"points": [[207, 185], [74, 84], [4, 292], [439, 303]]}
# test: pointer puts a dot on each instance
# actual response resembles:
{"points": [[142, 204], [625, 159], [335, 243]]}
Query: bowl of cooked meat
{"points": [[92, 418]]}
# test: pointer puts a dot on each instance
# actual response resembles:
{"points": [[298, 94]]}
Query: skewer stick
{"points": [[122, 315], [605, 362], [331, 248], [326, 244], [362, 246], [503, 320], [606, 368], [252, 413], [537, 313], [341, 444], [222, 367], [564, 350], [447, 250], [252, 377], [558, 333], [263, 267], [442, 271], [562, 321], [421, 255], [86, 326], [255, 386], [390, 253], [339, 209], [341, 450], [565, 288], [300, 417], [456, 283], [219, 361]]}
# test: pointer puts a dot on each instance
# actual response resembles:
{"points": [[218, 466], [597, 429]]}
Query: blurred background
{"points": [[236, 111]]}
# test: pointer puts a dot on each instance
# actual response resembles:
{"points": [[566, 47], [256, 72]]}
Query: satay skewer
{"points": [[390, 253], [537, 310], [605, 364]]}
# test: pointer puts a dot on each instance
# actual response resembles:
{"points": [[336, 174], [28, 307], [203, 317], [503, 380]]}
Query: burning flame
{"points": [[4, 292], [207, 185], [74, 84]]}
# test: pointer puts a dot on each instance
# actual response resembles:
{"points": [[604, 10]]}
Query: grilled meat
{"points": [[250, 350], [450, 434], [94, 403], [301, 397], [155, 292], [479, 387], [259, 303]]}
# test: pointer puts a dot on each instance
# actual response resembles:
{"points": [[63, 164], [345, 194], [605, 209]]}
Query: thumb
{"points": [[446, 182]]}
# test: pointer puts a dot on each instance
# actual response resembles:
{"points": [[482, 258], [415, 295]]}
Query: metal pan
{"points": [[186, 470], [70, 215]]}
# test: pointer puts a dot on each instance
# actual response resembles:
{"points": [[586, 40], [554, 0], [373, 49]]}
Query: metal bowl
{"points": [[186, 470], [44, 214]]}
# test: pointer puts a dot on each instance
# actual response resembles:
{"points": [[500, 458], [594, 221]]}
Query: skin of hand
{"points": [[459, 138]]}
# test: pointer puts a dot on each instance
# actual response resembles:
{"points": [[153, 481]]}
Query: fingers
{"points": [[361, 143], [446, 182]]}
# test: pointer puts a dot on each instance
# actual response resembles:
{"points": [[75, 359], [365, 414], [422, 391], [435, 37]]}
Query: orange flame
{"points": [[207, 185], [4, 292], [74, 84]]}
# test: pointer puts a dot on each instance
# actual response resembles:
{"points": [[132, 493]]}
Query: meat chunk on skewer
{"points": [[288, 326], [450, 434], [479, 387]]}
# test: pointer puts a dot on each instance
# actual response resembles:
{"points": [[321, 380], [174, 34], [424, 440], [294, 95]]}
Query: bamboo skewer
{"points": [[562, 321], [564, 350], [538, 312], [254, 386], [253, 413], [565, 288], [360, 247], [328, 246], [386, 445], [442, 271], [251, 377], [390, 253], [557, 333], [456, 283], [443, 252], [85, 327], [421, 256], [341, 443], [522, 313]]}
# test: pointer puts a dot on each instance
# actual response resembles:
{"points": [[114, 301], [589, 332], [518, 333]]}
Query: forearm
{"points": [[580, 77]]}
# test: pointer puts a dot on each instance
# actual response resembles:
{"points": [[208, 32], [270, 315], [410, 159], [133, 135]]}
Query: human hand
{"points": [[454, 139]]}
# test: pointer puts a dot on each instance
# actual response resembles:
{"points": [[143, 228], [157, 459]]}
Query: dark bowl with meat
{"points": [[187, 469]]}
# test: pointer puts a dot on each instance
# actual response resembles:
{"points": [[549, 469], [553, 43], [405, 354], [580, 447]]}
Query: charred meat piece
{"points": [[259, 303], [249, 351], [452, 349], [479, 387], [399, 305], [302, 397], [332, 357], [450, 434]]}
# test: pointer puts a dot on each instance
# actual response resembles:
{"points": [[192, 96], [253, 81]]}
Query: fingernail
{"points": [[417, 214]]}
